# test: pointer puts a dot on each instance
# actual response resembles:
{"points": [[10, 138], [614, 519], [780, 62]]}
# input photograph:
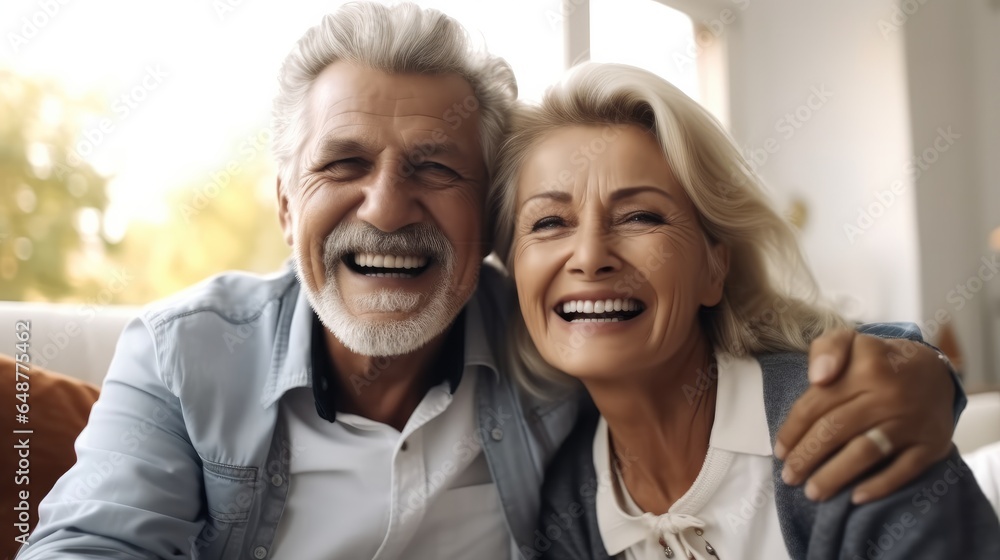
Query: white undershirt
{"points": [[731, 503], [355, 493]]}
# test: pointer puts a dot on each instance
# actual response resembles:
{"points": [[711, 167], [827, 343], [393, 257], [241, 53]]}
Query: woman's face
{"points": [[610, 261]]}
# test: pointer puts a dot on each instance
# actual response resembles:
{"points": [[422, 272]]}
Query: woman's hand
{"points": [[862, 382]]}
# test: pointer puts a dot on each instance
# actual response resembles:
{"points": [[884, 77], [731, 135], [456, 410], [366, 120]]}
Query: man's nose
{"points": [[593, 256], [390, 202]]}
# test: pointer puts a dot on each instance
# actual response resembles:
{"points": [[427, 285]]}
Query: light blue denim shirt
{"points": [[184, 455]]}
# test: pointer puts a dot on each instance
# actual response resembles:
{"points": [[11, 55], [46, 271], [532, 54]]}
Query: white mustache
{"points": [[362, 237]]}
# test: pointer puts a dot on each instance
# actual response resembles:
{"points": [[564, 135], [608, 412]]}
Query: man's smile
{"points": [[387, 266]]}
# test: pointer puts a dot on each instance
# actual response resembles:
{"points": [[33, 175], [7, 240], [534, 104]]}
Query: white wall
{"points": [[954, 80], [847, 159], [915, 120]]}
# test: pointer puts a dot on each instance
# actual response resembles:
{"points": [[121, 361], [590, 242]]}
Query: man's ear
{"points": [[284, 214], [718, 271]]}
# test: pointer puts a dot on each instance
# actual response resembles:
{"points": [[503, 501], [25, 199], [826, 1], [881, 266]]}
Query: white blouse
{"points": [[729, 511]]}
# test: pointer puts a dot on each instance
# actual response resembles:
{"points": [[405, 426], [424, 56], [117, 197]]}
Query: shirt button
{"points": [[259, 553], [276, 480], [496, 434], [323, 384], [403, 447]]}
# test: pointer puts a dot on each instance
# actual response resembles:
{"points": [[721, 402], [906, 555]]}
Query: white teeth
{"points": [[389, 261], [597, 320], [600, 306]]}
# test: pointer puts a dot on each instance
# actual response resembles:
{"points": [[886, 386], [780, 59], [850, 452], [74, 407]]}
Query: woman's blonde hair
{"points": [[769, 301]]}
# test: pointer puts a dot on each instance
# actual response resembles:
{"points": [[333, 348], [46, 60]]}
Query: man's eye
{"points": [[643, 218], [346, 169], [347, 163], [549, 222], [436, 167]]}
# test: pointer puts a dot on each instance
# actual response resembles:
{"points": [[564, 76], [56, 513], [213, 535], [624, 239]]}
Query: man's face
{"points": [[385, 215]]}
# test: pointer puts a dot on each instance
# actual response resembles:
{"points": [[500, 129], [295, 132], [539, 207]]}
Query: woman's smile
{"points": [[609, 256]]}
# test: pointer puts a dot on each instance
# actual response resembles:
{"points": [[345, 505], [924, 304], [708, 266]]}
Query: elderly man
{"points": [[356, 406]]}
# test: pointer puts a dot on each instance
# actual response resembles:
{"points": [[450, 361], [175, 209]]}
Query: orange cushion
{"points": [[58, 411]]}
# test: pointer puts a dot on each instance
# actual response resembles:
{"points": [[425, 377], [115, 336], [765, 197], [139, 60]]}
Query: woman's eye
{"points": [[549, 222], [643, 218]]}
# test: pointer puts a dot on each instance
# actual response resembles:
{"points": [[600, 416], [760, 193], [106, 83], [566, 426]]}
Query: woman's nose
{"points": [[593, 257]]}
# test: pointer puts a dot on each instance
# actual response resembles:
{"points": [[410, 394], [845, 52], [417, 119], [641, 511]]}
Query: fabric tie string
{"points": [[678, 529]]}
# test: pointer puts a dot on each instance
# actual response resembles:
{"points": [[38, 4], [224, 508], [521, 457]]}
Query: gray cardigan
{"points": [[941, 515]]}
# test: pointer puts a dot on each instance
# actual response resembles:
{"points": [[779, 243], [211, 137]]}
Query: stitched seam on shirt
{"points": [[221, 315], [239, 473], [162, 317]]}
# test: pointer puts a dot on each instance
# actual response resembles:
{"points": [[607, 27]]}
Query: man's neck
{"points": [[384, 389]]}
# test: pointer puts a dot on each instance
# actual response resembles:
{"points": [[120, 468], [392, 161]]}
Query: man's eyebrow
{"points": [[429, 148], [332, 146], [633, 191], [558, 196]]}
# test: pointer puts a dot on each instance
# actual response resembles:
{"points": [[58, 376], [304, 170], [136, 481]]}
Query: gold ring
{"points": [[878, 437]]}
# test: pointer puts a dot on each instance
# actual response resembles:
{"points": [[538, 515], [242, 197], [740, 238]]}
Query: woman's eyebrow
{"points": [[558, 196], [633, 191]]}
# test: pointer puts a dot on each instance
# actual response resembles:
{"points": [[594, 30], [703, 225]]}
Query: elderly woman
{"points": [[650, 267]]}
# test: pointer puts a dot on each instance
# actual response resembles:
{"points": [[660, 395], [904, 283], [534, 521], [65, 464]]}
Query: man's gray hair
{"points": [[403, 38]]}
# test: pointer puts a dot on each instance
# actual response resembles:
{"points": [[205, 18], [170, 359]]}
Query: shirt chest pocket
{"points": [[229, 491]]}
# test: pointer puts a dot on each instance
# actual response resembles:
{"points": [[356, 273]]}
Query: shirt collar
{"points": [[740, 426], [292, 360], [448, 366], [740, 422], [618, 529]]}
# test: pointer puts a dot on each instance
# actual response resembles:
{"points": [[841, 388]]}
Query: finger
{"points": [[825, 437], [829, 355], [860, 455], [805, 413], [902, 471]]}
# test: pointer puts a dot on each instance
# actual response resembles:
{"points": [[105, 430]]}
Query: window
{"points": [[664, 40]]}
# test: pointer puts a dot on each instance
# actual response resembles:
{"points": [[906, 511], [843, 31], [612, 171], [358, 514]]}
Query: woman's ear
{"points": [[718, 271]]}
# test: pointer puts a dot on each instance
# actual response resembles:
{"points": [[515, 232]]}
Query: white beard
{"points": [[379, 337]]}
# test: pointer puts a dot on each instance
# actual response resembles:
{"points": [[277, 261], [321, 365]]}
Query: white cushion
{"points": [[77, 340]]}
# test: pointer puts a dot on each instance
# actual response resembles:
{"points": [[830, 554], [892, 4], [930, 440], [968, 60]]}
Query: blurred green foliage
{"points": [[52, 243], [42, 195]]}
